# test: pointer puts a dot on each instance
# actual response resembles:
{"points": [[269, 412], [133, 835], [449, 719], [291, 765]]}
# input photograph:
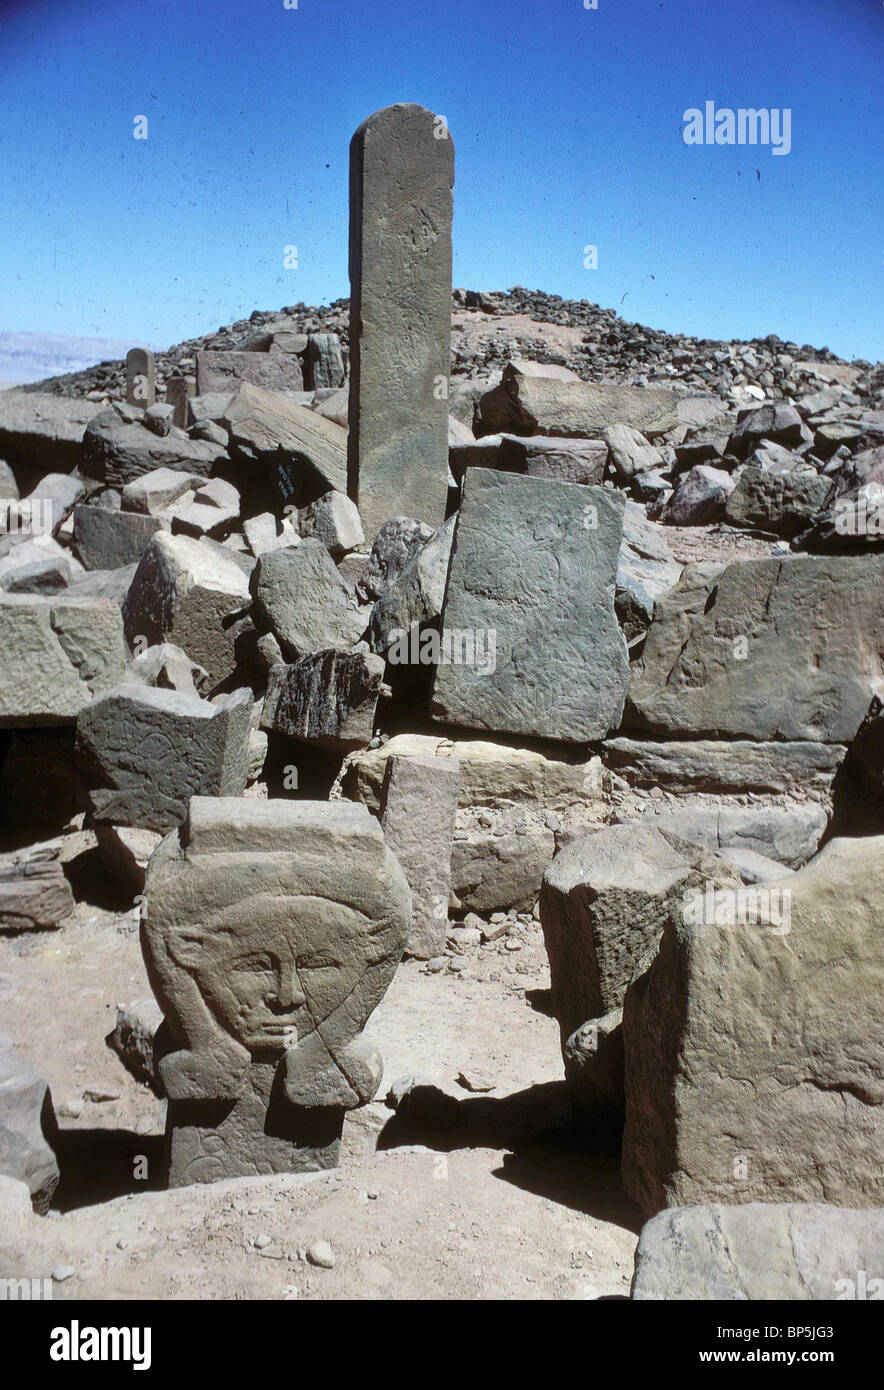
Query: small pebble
{"points": [[320, 1253], [262, 1241], [62, 1272]]}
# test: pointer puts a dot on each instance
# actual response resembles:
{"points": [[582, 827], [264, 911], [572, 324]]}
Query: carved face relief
{"points": [[273, 969]]}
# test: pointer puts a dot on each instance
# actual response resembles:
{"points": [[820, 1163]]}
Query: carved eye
{"points": [[255, 965], [320, 960]]}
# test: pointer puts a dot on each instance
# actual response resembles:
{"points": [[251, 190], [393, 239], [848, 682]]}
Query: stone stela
{"points": [[401, 182]]}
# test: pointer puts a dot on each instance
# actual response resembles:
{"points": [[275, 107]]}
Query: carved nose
{"points": [[289, 994]]}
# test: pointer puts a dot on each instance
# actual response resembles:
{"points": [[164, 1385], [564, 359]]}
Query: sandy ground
{"points": [[501, 1204]]}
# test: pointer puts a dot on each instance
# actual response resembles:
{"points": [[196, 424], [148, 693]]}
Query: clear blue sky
{"points": [[567, 124]]}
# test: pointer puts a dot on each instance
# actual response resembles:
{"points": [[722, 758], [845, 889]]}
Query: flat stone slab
{"points": [[764, 649], [698, 765], [225, 371], [34, 897], [37, 428], [530, 603], [528, 405], [799, 1251]]}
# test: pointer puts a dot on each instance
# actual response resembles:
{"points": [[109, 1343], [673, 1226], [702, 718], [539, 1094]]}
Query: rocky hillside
{"points": [[490, 328]]}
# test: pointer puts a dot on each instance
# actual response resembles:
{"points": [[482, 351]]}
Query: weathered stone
{"points": [[133, 1036], [112, 584], [141, 378], [302, 915], [264, 532], [57, 654], [646, 569], [394, 545], [212, 510], [187, 592], [50, 575], [491, 774], [125, 851], [568, 460], [761, 1251], [603, 906], [117, 449], [764, 649], [225, 371], [593, 1057], [414, 598], [780, 502], [401, 179], [160, 418], [179, 390], [754, 1053], [699, 498], [153, 492], [324, 363], [419, 805], [107, 540], [52, 500], [28, 1129], [790, 834], [780, 423], [304, 601], [532, 575], [573, 409], [630, 452], [776, 1025], [334, 520], [710, 765], [334, 405], [483, 453], [147, 751], [9, 490], [491, 871], [42, 430], [306, 453], [167, 667], [34, 897], [327, 699]]}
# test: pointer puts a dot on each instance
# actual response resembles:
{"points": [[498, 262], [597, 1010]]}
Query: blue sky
{"points": [[567, 125]]}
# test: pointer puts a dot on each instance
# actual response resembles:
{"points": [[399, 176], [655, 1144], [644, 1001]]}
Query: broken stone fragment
{"points": [[146, 751], [492, 774], [188, 592], [774, 1018], [327, 699], [57, 654], [28, 1129], [334, 520], [799, 1251], [398, 540], [118, 448], [34, 897], [530, 405], [302, 598], [304, 454], [105, 540], [225, 371]]}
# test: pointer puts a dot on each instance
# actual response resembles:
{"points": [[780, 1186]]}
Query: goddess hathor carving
{"points": [[271, 930]]}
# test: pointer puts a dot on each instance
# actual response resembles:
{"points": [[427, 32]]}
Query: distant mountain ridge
{"points": [[28, 357]]}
